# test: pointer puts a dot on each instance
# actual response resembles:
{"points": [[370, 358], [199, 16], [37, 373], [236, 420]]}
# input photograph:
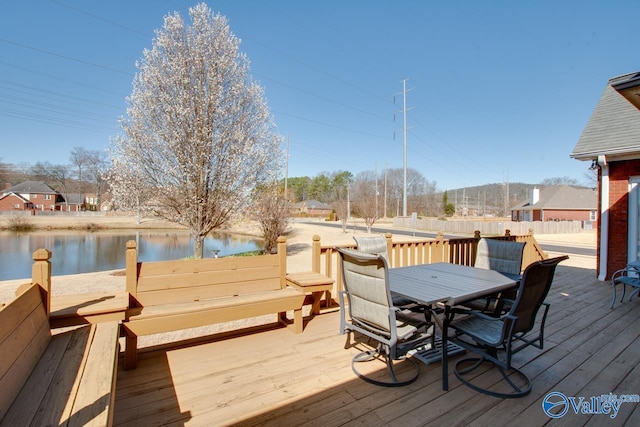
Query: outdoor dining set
{"points": [[431, 312]]}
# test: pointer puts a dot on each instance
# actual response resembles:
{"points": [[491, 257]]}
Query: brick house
{"points": [[310, 208], [36, 195], [611, 142], [14, 202], [559, 203]]}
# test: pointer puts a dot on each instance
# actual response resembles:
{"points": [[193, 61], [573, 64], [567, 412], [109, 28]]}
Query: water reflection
{"points": [[76, 252]]}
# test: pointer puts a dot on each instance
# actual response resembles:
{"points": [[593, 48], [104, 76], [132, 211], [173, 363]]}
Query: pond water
{"points": [[76, 252]]}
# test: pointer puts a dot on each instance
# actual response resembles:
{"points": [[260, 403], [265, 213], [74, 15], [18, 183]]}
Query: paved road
{"points": [[567, 249]]}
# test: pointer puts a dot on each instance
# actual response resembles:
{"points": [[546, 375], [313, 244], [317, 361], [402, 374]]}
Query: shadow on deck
{"points": [[270, 376]]}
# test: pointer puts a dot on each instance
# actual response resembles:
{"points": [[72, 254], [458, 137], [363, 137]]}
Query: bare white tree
{"points": [[198, 131], [364, 198], [271, 209]]}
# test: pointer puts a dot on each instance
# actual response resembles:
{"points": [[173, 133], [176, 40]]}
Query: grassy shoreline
{"points": [[37, 223]]}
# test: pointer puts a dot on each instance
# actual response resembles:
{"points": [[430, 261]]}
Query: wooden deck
{"points": [[275, 377]]}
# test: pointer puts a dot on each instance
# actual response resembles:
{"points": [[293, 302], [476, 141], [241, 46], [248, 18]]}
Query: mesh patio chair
{"points": [[378, 245], [502, 256], [486, 335], [373, 315], [630, 275]]}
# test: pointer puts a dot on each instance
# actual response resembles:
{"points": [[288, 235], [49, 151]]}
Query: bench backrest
{"points": [[24, 336], [160, 282]]}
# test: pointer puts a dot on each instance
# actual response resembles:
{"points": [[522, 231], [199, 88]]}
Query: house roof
{"points": [[12, 194], [562, 197], [614, 126], [33, 187], [73, 199]]}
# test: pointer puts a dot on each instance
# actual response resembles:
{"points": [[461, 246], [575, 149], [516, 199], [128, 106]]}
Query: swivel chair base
{"points": [[367, 356], [476, 362]]}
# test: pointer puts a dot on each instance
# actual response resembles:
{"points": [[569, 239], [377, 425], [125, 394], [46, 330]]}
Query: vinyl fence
{"points": [[488, 228]]}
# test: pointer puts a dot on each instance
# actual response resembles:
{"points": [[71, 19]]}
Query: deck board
{"points": [[275, 377]]}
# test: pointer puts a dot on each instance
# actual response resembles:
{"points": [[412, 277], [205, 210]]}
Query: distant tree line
{"points": [[83, 174]]}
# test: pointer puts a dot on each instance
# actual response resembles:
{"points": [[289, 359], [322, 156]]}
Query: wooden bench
{"points": [[167, 296], [66, 378]]}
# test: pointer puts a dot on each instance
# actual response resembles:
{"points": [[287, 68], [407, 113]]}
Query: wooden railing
{"points": [[324, 259]]}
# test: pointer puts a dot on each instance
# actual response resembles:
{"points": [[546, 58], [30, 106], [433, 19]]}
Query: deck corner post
{"points": [[282, 253], [41, 274], [131, 267], [315, 254]]}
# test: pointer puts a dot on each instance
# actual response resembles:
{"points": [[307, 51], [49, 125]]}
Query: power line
{"points": [[100, 18], [69, 58]]}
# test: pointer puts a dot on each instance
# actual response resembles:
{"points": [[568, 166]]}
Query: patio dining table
{"points": [[448, 284]]}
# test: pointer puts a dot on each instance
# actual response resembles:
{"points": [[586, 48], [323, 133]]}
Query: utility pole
{"points": [[385, 190], [348, 202], [404, 143], [286, 172], [376, 167], [506, 199]]}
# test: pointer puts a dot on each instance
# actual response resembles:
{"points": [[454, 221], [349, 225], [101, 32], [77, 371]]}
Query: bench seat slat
{"points": [[24, 410], [56, 406], [96, 391]]}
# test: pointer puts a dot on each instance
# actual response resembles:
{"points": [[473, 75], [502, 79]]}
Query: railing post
{"points": [[282, 253], [389, 248], [438, 251], [474, 251], [41, 274], [315, 254], [131, 268]]}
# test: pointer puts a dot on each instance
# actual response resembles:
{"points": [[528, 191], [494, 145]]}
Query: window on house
{"points": [[34, 196], [592, 215], [47, 196]]}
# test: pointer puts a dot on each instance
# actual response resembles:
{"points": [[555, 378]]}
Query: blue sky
{"points": [[498, 90]]}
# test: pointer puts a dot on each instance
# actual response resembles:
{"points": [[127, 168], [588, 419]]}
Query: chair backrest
{"points": [[534, 287], [365, 280], [499, 255], [373, 245]]}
